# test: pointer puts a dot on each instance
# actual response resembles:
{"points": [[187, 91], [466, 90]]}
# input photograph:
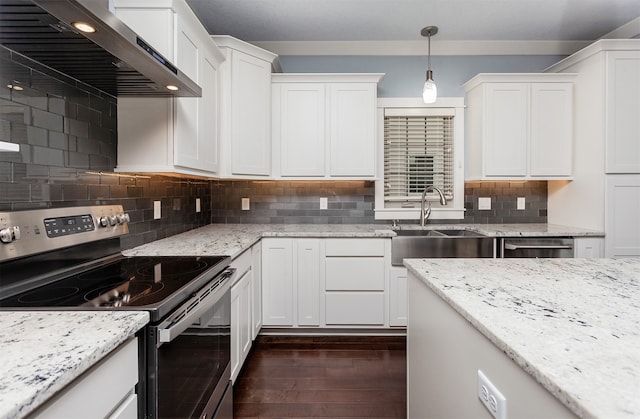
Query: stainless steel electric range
{"points": [[70, 259]]}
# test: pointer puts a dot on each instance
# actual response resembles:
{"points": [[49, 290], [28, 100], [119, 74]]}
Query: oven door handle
{"points": [[194, 308], [510, 246]]}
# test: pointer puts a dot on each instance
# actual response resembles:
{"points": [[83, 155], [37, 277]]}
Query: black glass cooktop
{"points": [[128, 282]]}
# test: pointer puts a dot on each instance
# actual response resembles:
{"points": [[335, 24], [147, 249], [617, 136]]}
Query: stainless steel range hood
{"points": [[113, 58]]}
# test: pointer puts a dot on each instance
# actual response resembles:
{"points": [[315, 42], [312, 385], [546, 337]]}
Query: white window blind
{"points": [[418, 152]]}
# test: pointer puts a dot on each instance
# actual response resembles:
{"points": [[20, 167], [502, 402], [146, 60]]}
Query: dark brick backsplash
{"points": [[503, 202], [68, 149], [353, 202]]}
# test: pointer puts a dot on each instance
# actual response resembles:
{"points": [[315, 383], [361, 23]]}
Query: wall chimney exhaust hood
{"points": [[113, 58]]}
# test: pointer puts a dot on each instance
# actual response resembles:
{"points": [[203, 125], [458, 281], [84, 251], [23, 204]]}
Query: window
{"points": [[418, 152], [421, 145]]}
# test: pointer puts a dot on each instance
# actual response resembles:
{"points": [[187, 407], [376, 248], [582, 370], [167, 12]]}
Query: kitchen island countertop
{"points": [[233, 239], [572, 324], [43, 351]]}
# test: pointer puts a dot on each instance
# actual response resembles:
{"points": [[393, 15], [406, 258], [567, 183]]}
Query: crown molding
{"points": [[627, 31], [419, 48]]}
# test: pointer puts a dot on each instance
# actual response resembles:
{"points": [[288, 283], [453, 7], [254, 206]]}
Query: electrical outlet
{"points": [[246, 204], [157, 210], [491, 397], [198, 208], [324, 203], [520, 203], [484, 203]]}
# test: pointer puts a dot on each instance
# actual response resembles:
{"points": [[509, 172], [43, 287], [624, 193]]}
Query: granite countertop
{"points": [[233, 239], [43, 351], [588, 308]]}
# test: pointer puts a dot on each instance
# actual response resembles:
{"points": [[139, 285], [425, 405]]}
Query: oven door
{"points": [[188, 356]]}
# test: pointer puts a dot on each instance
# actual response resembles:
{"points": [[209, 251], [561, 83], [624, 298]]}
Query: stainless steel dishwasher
{"points": [[536, 247]]}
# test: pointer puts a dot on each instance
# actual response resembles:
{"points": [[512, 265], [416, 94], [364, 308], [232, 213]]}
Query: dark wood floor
{"points": [[323, 377]]}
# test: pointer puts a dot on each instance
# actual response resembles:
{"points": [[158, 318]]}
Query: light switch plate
{"points": [[157, 210], [198, 209], [246, 204], [324, 203], [520, 203], [484, 203]]}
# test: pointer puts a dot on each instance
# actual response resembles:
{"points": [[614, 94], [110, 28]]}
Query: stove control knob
{"points": [[9, 234], [104, 221], [123, 218], [112, 220]]}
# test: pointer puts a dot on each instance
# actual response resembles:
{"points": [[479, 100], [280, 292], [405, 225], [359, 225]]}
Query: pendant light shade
{"points": [[429, 90]]}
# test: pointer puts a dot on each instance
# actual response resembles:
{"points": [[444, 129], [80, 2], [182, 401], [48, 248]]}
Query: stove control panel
{"points": [[24, 233]]}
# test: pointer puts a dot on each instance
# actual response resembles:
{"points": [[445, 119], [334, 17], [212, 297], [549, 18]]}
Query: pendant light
{"points": [[429, 91]]}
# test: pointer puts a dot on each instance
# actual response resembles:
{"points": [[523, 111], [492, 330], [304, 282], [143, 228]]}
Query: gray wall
{"points": [[405, 74]]}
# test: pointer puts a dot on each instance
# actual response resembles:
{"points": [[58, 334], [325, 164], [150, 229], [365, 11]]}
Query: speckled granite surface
{"points": [[233, 239], [44, 351], [573, 324]]}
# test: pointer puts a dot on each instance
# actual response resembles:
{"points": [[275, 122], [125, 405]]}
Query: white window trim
{"points": [[454, 210]]}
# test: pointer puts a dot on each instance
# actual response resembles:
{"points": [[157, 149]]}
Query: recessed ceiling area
{"points": [[273, 22]]}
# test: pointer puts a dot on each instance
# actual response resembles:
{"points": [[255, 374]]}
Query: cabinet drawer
{"points": [[354, 274], [354, 308], [99, 390], [354, 247]]}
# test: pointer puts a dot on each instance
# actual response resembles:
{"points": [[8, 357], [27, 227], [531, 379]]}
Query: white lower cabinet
{"points": [[325, 282], [588, 247], [107, 390], [622, 219], [277, 282], [245, 322], [291, 282], [308, 282], [398, 296], [256, 288]]}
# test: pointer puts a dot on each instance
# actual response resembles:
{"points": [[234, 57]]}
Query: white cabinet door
{"points": [[196, 144], [308, 282], [506, 125], [277, 282], [398, 296], [622, 222], [241, 326], [256, 288], [352, 125], [250, 115], [551, 129], [588, 247], [300, 123], [622, 111]]}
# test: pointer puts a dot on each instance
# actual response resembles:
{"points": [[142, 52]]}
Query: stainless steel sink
{"points": [[419, 233], [441, 243]]}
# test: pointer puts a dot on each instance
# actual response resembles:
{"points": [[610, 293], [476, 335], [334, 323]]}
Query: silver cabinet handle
{"points": [[510, 246]]}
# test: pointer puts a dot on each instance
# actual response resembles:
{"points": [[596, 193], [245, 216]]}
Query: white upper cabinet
{"points": [[245, 114], [622, 115], [300, 128], [324, 126], [173, 135], [520, 126]]}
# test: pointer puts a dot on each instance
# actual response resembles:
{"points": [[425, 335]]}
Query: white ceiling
{"points": [[282, 22]]}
